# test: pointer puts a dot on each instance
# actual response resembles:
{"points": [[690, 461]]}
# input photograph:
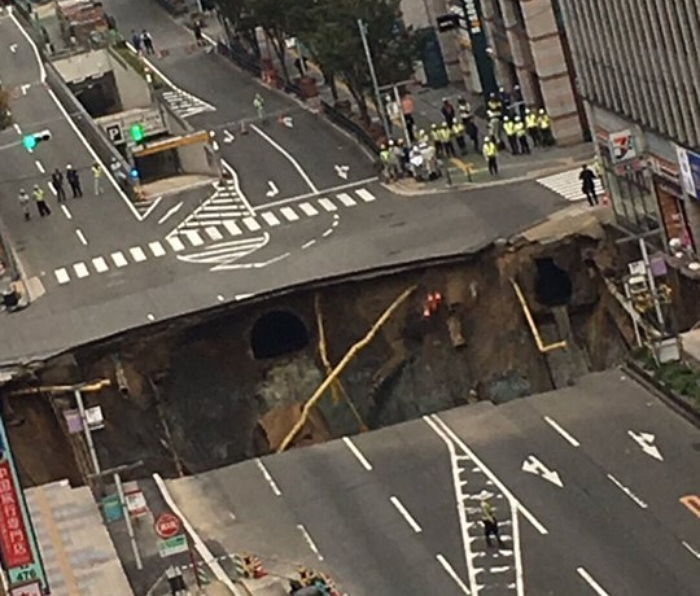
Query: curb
{"points": [[479, 185], [679, 403]]}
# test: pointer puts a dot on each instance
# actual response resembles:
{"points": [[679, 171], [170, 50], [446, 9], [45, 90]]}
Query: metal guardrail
{"points": [[350, 126]]}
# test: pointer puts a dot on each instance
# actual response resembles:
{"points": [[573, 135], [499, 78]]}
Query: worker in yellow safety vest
{"points": [[490, 151], [521, 135], [446, 139], [532, 127], [458, 134], [545, 125], [509, 129]]}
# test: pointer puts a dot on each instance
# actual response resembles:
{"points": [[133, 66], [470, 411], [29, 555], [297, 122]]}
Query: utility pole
{"points": [[382, 113]]}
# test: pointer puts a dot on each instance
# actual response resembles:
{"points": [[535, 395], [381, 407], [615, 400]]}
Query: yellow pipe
{"points": [[90, 387], [531, 322], [350, 354]]}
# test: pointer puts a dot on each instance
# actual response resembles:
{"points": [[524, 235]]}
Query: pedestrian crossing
{"points": [[184, 104], [235, 232], [227, 215], [567, 185]]}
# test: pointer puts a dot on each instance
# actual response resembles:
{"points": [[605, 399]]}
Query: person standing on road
{"points": [[587, 178], [136, 41], [544, 123], [521, 134], [437, 140], [532, 127], [448, 112], [259, 105], [147, 40], [74, 181], [509, 129], [473, 133], [197, 28], [458, 134], [97, 178], [23, 199], [446, 138], [490, 151], [38, 195], [57, 183], [488, 518]]}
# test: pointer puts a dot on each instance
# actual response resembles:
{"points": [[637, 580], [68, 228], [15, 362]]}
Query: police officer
{"points": [[509, 129], [494, 104], [544, 123], [385, 158], [458, 134], [448, 149], [437, 140], [532, 127], [490, 151], [464, 109], [521, 135]]}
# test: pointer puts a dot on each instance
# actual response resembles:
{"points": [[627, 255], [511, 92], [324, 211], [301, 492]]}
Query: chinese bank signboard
{"points": [[689, 163]]}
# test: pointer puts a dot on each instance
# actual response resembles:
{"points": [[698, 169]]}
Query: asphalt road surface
{"points": [[396, 511], [98, 268]]}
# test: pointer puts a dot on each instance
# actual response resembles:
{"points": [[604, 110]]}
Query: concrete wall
{"points": [[133, 89]]}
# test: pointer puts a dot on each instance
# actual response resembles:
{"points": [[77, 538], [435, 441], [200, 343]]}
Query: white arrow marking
{"points": [[645, 441], [228, 137], [274, 191], [342, 171], [532, 465], [24, 88], [13, 48], [288, 122]]}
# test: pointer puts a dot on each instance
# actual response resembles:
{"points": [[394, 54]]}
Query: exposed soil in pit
{"points": [[228, 386]]}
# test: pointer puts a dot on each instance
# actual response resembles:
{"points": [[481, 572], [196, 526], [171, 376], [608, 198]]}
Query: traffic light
{"points": [[136, 132], [31, 141]]}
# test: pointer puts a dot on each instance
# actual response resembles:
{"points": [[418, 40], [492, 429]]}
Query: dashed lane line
{"points": [[357, 453], [452, 573], [591, 582], [564, 433], [268, 477], [310, 542], [405, 514], [81, 237]]}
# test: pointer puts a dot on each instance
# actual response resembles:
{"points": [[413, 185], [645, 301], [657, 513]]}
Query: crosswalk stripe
{"points": [[138, 254], [119, 259], [213, 233], [100, 264], [289, 213], [194, 238], [327, 204], [270, 218], [81, 270], [251, 224], [309, 209], [346, 199], [62, 276], [175, 243], [365, 195], [156, 248], [232, 228]]}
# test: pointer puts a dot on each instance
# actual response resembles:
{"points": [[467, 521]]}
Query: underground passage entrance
{"points": [[552, 283], [278, 333]]}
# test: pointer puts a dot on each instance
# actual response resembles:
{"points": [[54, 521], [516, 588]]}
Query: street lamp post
{"points": [[373, 75]]}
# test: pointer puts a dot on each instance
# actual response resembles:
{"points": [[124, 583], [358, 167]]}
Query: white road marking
{"points": [[309, 195], [156, 248], [213, 233], [62, 276], [365, 195], [42, 70], [100, 264], [66, 212], [530, 517], [591, 582], [268, 477], [406, 515], [270, 218], [194, 238], [357, 453], [328, 232], [81, 237], [40, 166], [646, 442], [170, 212], [237, 186], [52, 188], [309, 209], [289, 213], [273, 190], [532, 465], [310, 542], [81, 270], [452, 573], [175, 243], [308, 244], [231, 226], [327, 204], [555, 425], [346, 199], [288, 155], [138, 254], [119, 259], [251, 224], [627, 491], [18, 129], [691, 549]]}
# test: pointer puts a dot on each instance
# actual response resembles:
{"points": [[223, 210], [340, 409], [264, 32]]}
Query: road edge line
{"points": [[199, 545]]}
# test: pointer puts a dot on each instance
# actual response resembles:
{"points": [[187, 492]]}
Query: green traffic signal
{"points": [[29, 142], [136, 132]]}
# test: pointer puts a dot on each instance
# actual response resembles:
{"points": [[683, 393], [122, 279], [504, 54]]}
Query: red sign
{"points": [[13, 535], [167, 525]]}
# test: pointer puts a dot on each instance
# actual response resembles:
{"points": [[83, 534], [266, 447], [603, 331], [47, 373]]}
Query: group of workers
{"points": [[510, 124]]}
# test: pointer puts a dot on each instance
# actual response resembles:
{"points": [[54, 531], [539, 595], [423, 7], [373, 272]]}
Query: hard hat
{"points": [[517, 118], [487, 139], [383, 147], [493, 96], [21, 190], [69, 167], [506, 118], [421, 131], [391, 142], [541, 110], [527, 111], [433, 125]]}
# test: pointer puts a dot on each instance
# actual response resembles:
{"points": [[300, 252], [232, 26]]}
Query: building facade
{"points": [[638, 71]]}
